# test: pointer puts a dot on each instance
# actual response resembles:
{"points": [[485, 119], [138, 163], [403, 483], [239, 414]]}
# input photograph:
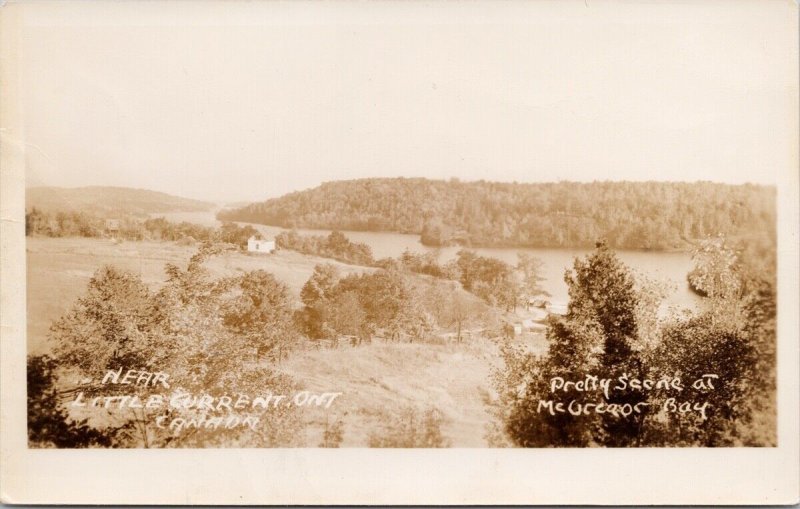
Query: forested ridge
{"points": [[628, 215]]}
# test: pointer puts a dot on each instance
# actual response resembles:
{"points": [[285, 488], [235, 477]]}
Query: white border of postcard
{"points": [[369, 476]]}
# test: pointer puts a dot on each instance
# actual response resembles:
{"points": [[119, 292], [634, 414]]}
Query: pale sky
{"points": [[245, 101]]}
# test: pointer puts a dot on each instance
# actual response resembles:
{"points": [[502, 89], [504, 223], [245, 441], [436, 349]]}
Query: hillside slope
{"points": [[632, 215], [377, 382], [58, 270], [104, 200]]}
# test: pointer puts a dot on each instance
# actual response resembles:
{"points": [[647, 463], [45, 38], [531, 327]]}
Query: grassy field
{"points": [[59, 269], [376, 380]]}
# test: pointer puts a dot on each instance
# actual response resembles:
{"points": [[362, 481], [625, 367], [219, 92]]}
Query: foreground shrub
{"points": [[409, 429]]}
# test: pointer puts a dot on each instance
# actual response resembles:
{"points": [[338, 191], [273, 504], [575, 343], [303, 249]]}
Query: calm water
{"points": [[670, 268]]}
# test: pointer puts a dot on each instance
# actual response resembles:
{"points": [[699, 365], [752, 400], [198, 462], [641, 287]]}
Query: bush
{"points": [[410, 429], [611, 330], [48, 422], [203, 332], [333, 435]]}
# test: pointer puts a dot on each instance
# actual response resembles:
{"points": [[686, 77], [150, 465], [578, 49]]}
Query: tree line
{"points": [[78, 223], [628, 215], [495, 281], [335, 246]]}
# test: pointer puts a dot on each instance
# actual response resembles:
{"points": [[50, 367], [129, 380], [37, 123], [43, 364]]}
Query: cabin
{"points": [[256, 244], [538, 303], [112, 227]]}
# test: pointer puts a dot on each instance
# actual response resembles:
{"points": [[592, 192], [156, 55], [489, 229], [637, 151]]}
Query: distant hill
{"points": [[106, 201], [632, 215], [235, 205]]}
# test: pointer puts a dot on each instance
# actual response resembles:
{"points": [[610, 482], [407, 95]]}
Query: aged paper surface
{"points": [[399, 253]]}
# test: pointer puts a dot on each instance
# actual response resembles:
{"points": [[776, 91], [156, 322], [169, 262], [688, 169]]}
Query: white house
{"points": [[259, 245], [112, 226]]}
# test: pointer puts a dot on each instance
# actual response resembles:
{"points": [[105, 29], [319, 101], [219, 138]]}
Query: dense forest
{"points": [[628, 215]]}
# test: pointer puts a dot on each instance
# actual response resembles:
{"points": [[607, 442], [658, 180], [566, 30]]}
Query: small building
{"points": [[112, 227], [538, 303], [256, 244]]}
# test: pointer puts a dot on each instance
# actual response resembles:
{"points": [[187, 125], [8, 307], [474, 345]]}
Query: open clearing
{"points": [[59, 269]]}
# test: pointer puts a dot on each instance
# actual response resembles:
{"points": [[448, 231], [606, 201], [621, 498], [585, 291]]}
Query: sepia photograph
{"points": [[401, 225]]}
